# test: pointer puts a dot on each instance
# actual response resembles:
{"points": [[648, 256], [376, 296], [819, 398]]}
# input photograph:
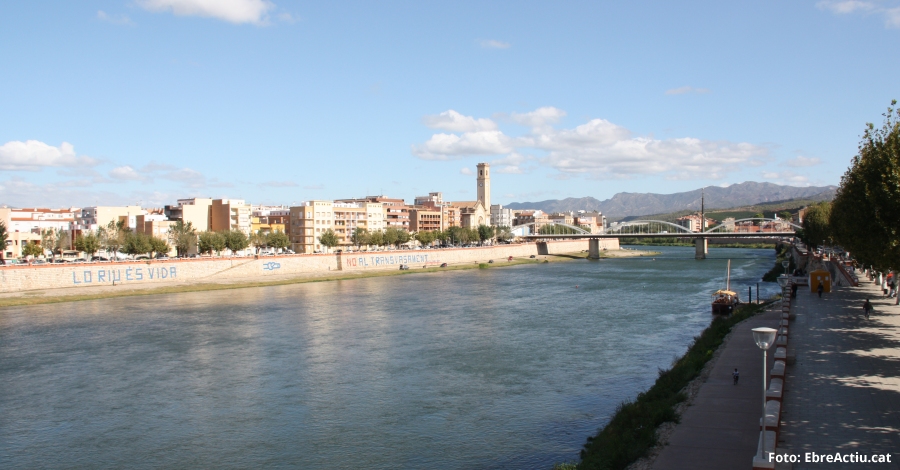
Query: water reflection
{"points": [[498, 368]]}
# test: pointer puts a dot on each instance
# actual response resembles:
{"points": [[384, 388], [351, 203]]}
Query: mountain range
{"points": [[632, 204]]}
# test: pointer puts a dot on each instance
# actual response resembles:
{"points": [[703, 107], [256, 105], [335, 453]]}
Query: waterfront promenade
{"points": [[720, 428], [842, 394]]}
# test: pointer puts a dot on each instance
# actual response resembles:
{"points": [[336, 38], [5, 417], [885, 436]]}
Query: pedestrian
{"points": [[820, 289], [736, 376], [867, 308], [794, 290]]}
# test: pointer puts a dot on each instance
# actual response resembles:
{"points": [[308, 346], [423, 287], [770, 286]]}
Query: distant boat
{"points": [[724, 300]]}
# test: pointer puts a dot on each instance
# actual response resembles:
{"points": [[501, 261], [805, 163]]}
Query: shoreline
{"points": [[77, 294]]}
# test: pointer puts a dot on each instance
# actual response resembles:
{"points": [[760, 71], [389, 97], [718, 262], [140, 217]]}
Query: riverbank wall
{"points": [[145, 273]]}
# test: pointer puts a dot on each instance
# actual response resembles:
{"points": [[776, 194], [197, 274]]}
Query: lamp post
{"points": [[764, 338]]}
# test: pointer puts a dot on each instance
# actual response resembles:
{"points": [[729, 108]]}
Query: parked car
{"points": [[162, 256], [404, 267], [444, 265]]}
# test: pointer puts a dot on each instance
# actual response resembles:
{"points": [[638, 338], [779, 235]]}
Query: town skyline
{"points": [[115, 102]]}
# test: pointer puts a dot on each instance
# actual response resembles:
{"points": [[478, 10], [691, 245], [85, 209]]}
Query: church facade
{"points": [[475, 213]]}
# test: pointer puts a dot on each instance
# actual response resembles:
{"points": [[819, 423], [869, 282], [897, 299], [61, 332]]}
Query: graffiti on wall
{"points": [[374, 261], [101, 276]]}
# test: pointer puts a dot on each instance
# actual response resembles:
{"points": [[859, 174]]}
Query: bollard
{"points": [[749, 294], [757, 292]]}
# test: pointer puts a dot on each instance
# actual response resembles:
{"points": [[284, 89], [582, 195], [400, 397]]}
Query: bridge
{"points": [[663, 229]]}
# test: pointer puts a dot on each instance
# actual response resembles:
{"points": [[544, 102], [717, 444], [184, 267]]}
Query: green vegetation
{"points": [[556, 229], [781, 253], [88, 242], [632, 430], [211, 241], [329, 239], [32, 249], [866, 208], [4, 236]]}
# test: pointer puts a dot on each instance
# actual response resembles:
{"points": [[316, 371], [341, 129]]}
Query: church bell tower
{"points": [[484, 186]]}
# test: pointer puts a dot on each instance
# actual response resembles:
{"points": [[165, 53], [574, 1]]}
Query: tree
{"points": [[235, 240], [865, 208], [328, 239], [504, 233], [136, 244], [158, 245], [63, 241], [259, 239], [376, 238], [4, 238], [278, 240], [88, 242], [402, 237], [360, 237], [183, 236], [425, 237], [113, 236], [390, 236], [48, 240], [210, 242], [442, 236], [485, 233], [32, 249], [816, 225], [785, 215]]}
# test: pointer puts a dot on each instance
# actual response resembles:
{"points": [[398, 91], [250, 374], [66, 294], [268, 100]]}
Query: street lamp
{"points": [[764, 338]]}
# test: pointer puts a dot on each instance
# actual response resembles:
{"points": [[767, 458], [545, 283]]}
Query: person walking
{"points": [[736, 376], [867, 308], [820, 289]]}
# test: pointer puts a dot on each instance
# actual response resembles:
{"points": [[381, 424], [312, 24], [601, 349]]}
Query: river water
{"points": [[499, 368]]}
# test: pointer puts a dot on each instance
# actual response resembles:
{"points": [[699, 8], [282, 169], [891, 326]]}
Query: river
{"points": [[495, 368]]}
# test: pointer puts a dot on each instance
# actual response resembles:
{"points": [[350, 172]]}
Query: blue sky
{"points": [[147, 101]]}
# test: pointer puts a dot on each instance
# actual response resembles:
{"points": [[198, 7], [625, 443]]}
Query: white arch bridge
{"points": [[753, 227]]}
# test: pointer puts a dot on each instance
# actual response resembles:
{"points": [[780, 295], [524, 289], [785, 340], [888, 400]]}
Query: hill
{"points": [[634, 204]]}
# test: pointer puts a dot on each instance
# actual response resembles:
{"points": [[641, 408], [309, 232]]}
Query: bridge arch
{"points": [[646, 222], [752, 219], [519, 230]]}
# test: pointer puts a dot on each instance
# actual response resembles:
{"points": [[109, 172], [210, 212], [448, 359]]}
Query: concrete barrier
{"points": [[776, 386], [778, 369], [150, 272]]}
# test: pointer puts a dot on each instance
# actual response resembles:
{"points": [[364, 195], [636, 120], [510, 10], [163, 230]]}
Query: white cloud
{"points": [[494, 44], [786, 177], [120, 19], [801, 161], [126, 173], [598, 149], [279, 184], [453, 121], [513, 163], [466, 171], [449, 146], [233, 11], [539, 117], [32, 155], [845, 7], [687, 90]]}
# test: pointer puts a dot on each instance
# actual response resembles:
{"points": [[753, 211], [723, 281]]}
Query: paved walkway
{"points": [[843, 392], [720, 430]]}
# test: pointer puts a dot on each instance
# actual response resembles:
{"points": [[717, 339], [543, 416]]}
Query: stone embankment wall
{"points": [[145, 273]]}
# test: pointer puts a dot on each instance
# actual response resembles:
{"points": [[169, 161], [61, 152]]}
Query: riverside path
{"points": [[843, 392], [721, 427]]}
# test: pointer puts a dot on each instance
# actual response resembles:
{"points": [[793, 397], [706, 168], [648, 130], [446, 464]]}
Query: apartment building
{"points": [[450, 214], [94, 217], [230, 214], [501, 217], [307, 221], [594, 222], [37, 219], [197, 211], [396, 212], [348, 216], [423, 218], [267, 219], [693, 222]]}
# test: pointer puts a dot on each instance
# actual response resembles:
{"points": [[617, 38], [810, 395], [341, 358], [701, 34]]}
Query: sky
{"points": [[276, 102]]}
